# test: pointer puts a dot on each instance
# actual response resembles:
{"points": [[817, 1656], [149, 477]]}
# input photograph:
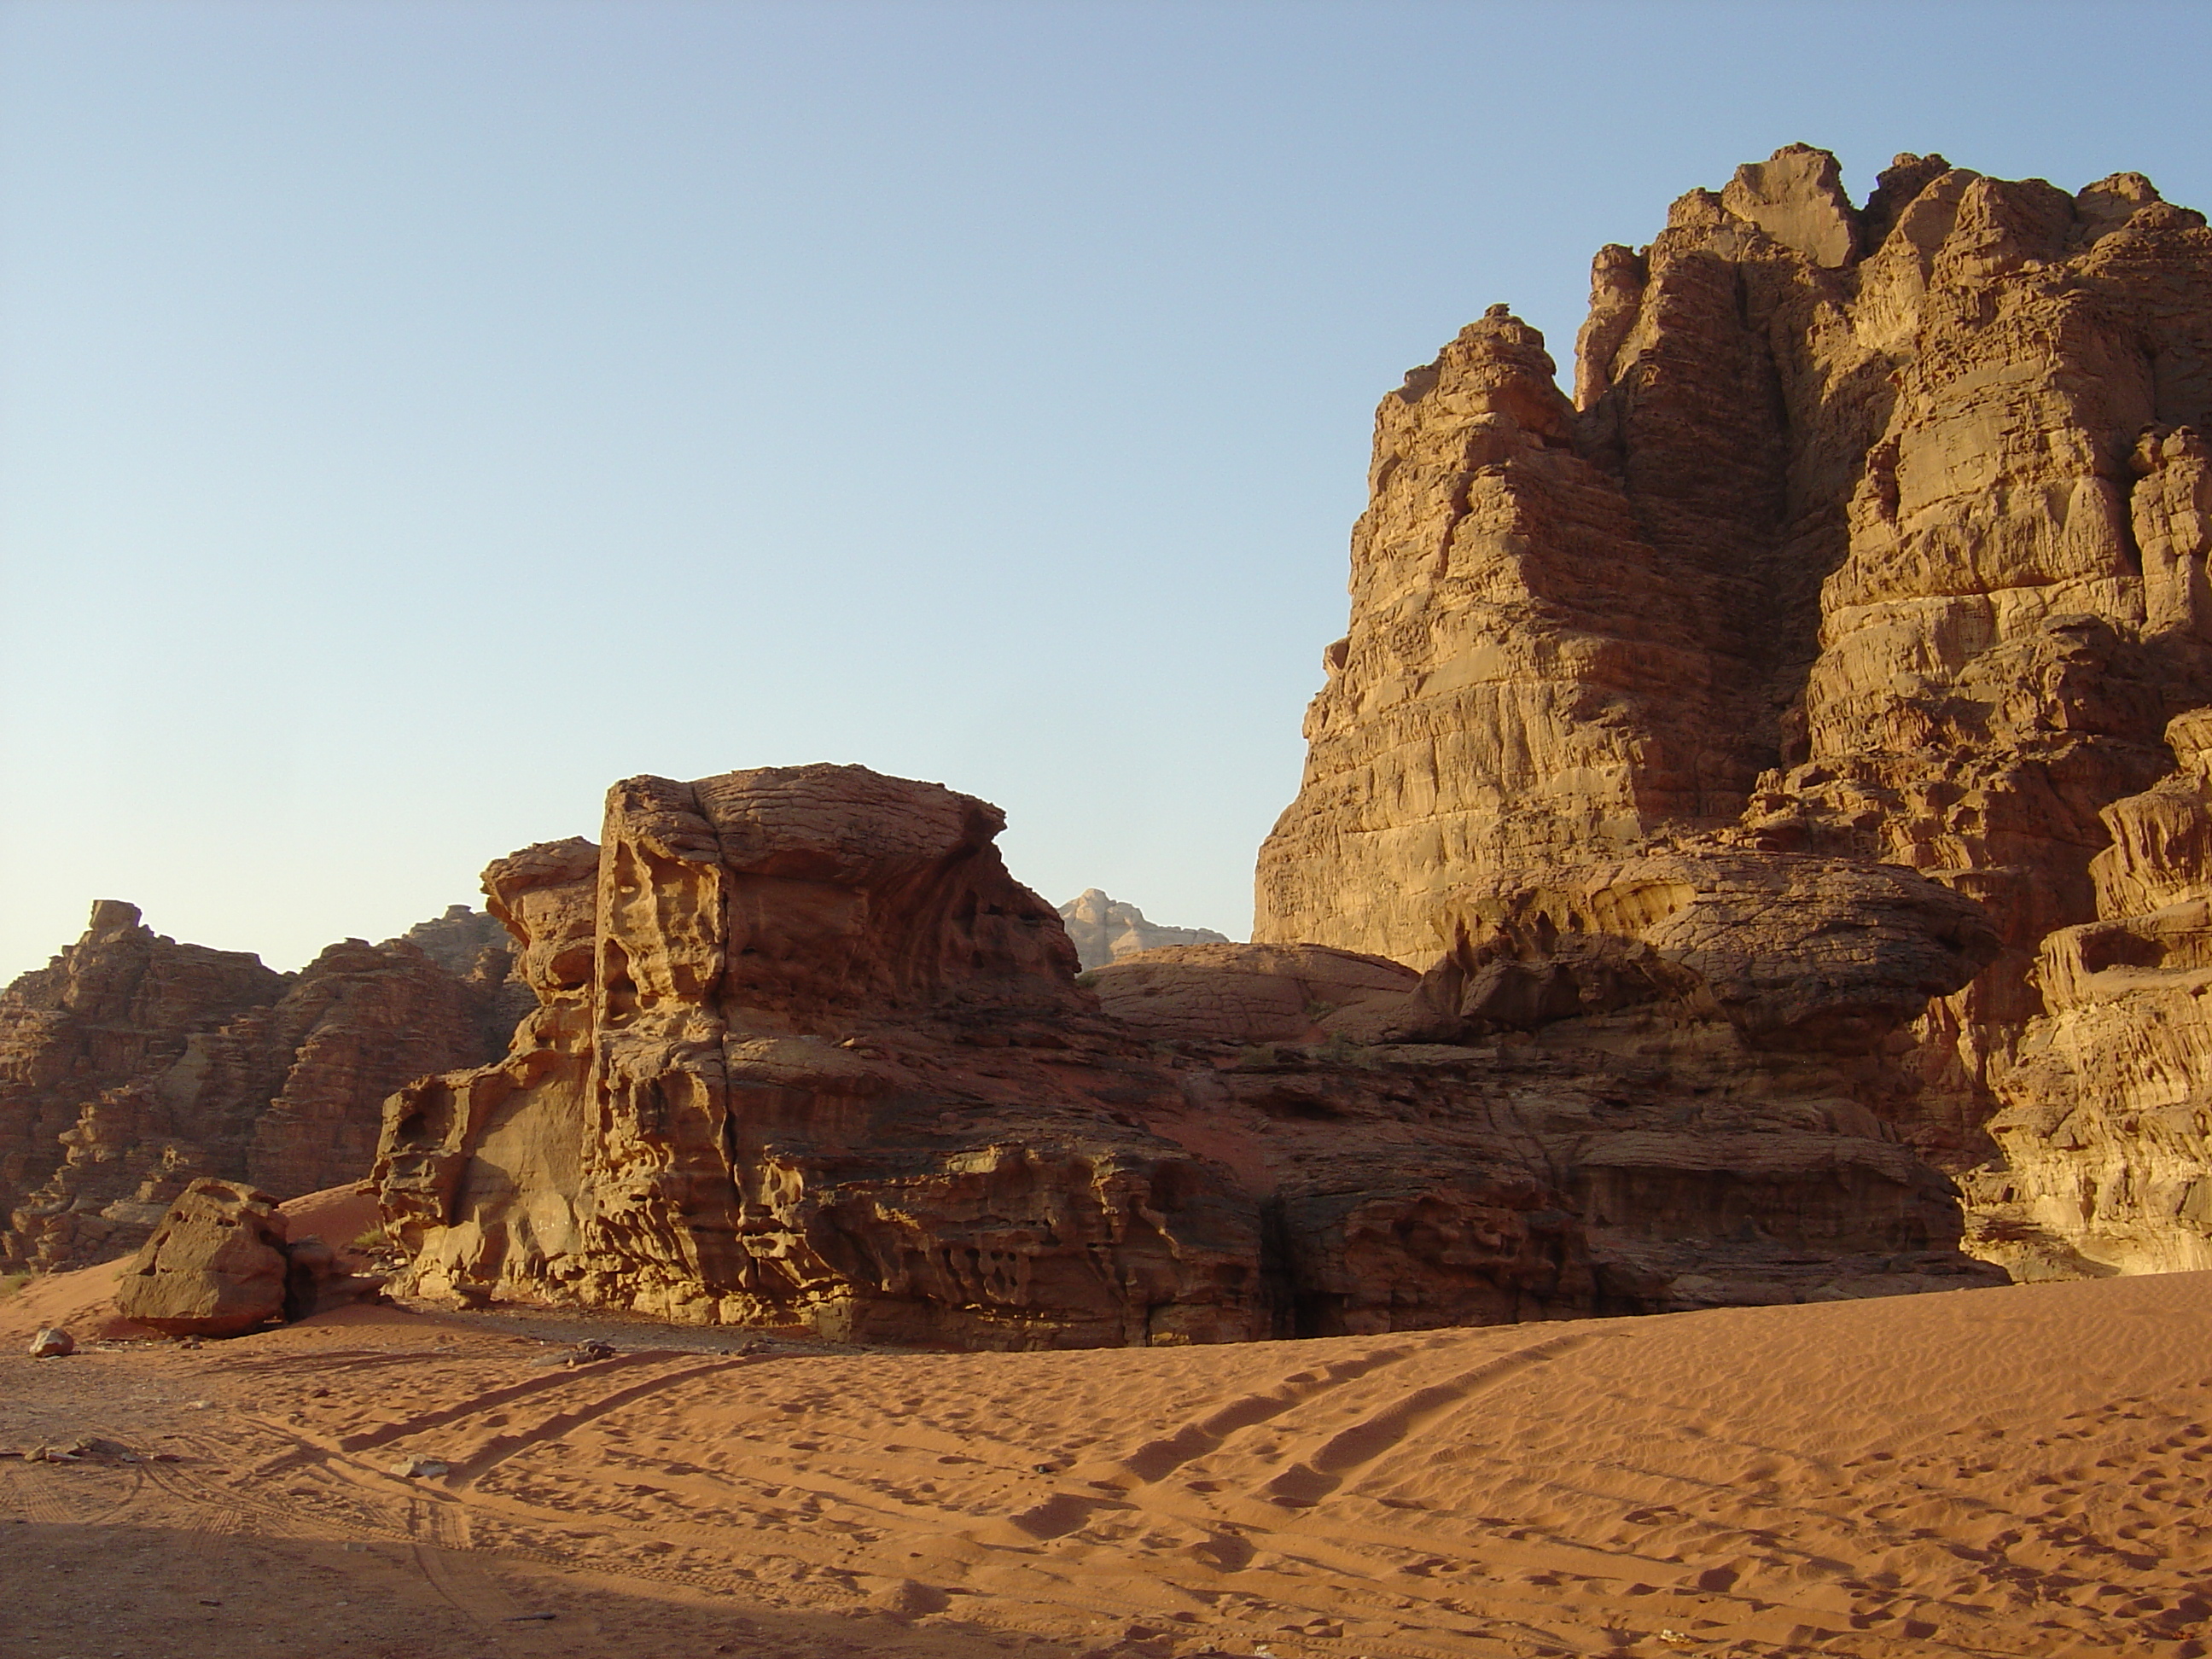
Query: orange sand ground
{"points": [[2017, 1471]]}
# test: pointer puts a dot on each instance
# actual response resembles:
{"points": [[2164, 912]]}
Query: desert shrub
{"points": [[1341, 1050]]}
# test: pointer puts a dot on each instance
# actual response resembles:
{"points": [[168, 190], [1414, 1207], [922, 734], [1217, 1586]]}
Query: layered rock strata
{"points": [[2105, 1126], [805, 1055], [1874, 532], [1261, 993], [133, 1065], [796, 1059], [1104, 930]]}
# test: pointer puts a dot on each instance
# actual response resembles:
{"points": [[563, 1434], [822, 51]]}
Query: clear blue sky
{"points": [[416, 416]]}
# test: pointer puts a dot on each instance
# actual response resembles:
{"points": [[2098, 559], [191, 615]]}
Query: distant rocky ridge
{"points": [[133, 1064], [1873, 532], [1104, 930]]}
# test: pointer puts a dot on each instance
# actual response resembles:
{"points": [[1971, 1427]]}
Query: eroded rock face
{"points": [[120, 1005], [2107, 1122], [1873, 533], [807, 1056], [1794, 953], [134, 1064], [214, 1266], [363, 1019], [1104, 930], [794, 1063], [1262, 993], [1670, 1072], [1527, 677]]}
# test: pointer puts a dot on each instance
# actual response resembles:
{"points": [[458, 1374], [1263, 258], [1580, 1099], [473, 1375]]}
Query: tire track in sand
{"points": [[501, 1447], [39, 1495], [438, 1533], [503, 1394], [1335, 1460]]}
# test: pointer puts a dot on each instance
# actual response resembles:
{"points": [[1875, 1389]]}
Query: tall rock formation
{"points": [[754, 1090], [1104, 930], [134, 1064], [1873, 532], [805, 1055]]}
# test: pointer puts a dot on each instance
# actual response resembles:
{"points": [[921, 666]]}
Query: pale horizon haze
{"points": [[416, 416]]}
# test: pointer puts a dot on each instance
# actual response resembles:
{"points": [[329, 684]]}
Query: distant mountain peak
{"points": [[1104, 929]]}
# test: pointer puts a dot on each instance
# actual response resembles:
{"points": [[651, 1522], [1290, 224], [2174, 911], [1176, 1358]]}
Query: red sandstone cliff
{"points": [[1875, 532], [134, 1064], [805, 1054]]}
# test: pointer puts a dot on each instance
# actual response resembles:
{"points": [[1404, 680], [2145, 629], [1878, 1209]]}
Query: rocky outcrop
{"points": [[1262, 993], [794, 1061], [807, 1056], [134, 1064], [1873, 533], [464, 942], [1104, 930], [363, 1019], [1686, 1053], [121, 1006], [1791, 953], [2105, 1128], [1527, 678]]}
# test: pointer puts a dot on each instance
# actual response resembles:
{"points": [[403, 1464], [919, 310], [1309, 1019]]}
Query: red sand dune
{"points": [[2015, 1471]]}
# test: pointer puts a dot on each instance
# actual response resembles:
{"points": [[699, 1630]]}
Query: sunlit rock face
{"points": [[807, 1056], [795, 1062], [2106, 1118], [1873, 531], [133, 1064]]}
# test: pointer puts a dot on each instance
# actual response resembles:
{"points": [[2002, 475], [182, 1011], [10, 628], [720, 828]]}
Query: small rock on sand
{"points": [[84, 1448], [52, 1343]]}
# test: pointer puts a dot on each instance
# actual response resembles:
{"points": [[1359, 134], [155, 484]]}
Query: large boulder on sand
{"points": [[214, 1266]]}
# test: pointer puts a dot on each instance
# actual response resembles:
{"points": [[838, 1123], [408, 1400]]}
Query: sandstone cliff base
{"points": [[1874, 530], [806, 1056], [2018, 1471]]}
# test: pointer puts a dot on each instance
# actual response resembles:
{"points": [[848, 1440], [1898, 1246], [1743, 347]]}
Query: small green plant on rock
{"points": [[1341, 1050]]}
